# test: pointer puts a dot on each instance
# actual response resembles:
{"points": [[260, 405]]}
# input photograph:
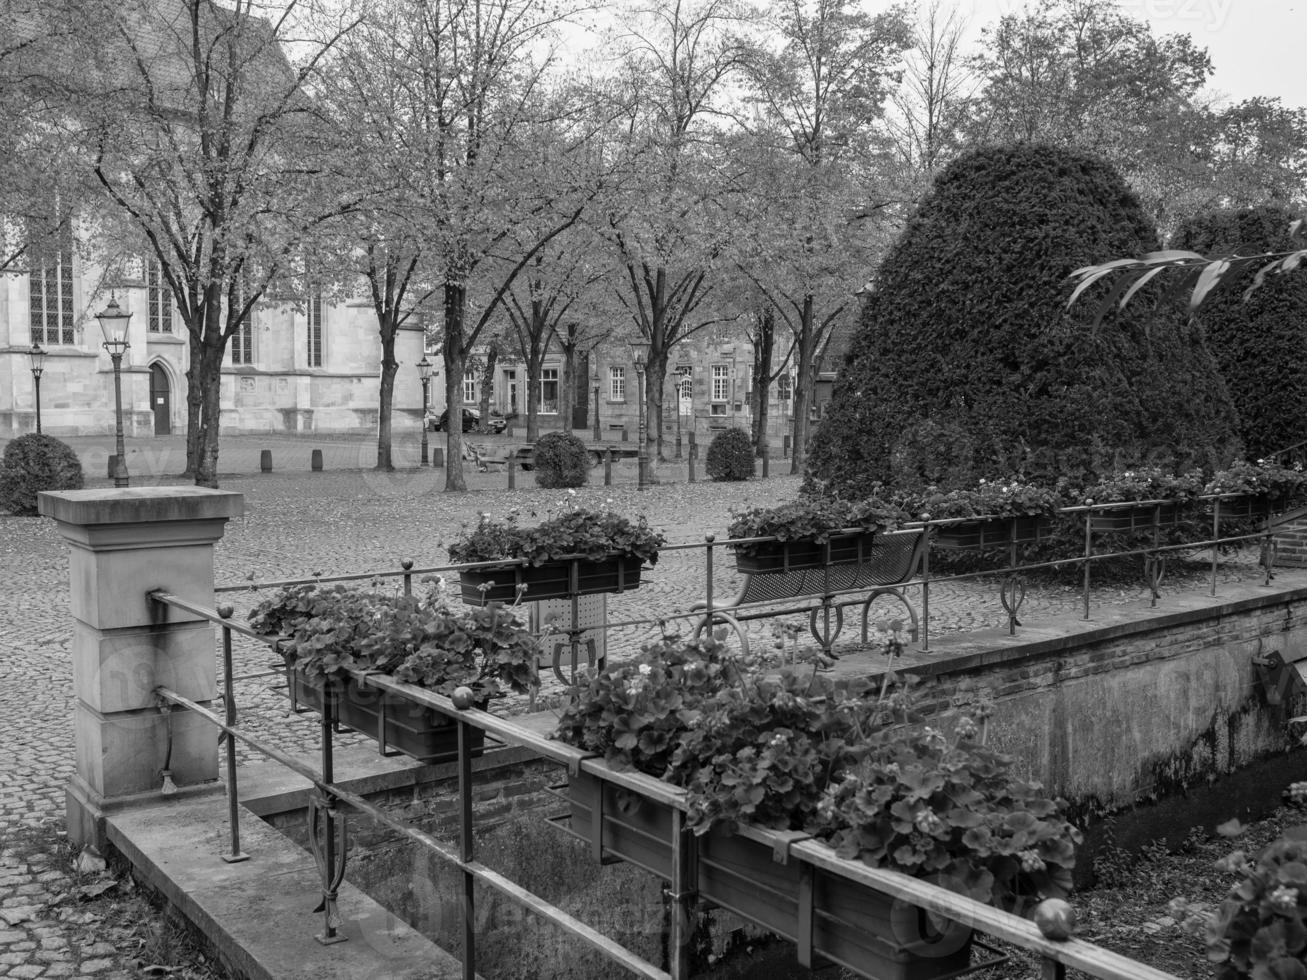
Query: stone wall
{"points": [[1140, 710]]}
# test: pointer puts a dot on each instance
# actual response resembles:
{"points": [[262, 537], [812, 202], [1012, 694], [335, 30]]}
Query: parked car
{"points": [[471, 419]]}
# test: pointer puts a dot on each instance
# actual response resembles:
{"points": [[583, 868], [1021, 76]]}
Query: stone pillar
{"points": [[126, 543]]}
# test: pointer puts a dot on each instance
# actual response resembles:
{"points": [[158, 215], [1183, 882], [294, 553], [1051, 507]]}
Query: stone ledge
{"points": [[258, 914], [140, 505]]}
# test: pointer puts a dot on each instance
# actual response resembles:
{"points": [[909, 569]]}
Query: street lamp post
{"points": [[424, 372], [594, 381], [113, 324], [37, 356], [640, 351]]}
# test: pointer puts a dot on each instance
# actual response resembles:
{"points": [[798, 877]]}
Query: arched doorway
{"points": [[161, 400]]}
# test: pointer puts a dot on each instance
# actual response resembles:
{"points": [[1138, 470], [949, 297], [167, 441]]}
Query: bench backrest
{"points": [[895, 557]]}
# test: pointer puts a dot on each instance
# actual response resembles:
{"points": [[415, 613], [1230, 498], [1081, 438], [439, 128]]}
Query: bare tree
{"points": [[202, 128], [930, 109]]}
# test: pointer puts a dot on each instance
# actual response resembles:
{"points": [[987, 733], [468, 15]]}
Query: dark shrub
{"points": [[33, 463], [730, 456], [966, 342], [561, 461], [1258, 344]]}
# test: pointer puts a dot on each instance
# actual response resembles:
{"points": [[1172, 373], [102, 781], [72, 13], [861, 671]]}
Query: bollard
{"points": [[315, 461], [608, 467], [437, 457], [694, 454], [265, 461], [512, 472], [766, 458]]}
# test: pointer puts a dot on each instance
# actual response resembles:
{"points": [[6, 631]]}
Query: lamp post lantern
{"points": [[37, 356], [639, 354], [424, 372], [113, 324]]}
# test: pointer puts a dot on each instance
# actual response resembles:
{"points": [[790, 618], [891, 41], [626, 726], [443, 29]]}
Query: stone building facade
{"points": [[308, 367]]}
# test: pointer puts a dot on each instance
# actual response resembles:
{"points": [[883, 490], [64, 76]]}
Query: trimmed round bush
{"points": [[1258, 343], [968, 365], [730, 456], [33, 463], [561, 460]]}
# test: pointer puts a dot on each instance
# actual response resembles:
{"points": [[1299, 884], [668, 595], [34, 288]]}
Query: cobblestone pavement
{"points": [[297, 525]]}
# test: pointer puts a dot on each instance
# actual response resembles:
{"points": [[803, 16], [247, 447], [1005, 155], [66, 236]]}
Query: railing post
{"points": [[235, 855], [407, 565], [466, 852], [1089, 551], [608, 466], [126, 543], [925, 585]]}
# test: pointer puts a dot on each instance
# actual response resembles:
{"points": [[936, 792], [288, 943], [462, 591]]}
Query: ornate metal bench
{"points": [[893, 559]]}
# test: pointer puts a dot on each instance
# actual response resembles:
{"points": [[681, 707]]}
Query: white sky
{"points": [[1257, 47]]}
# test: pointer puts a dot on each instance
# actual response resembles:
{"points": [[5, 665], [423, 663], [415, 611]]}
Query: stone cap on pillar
{"points": [[128, 541], [140, 505]]}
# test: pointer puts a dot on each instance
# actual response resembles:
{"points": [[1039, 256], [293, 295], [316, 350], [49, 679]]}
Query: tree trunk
{"points": [[455, 358], [487, 386], [194, 404], [535, 360], [206, 470], [805, 384], [567, 392], [389, 368], [655, 378], [763, 349]]}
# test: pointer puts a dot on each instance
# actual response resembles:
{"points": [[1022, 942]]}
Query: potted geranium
{"points": [[994, 513], [1258, 930], [810, 532], [1164, 498], [769, 759], [580, 551], [327, 632]]}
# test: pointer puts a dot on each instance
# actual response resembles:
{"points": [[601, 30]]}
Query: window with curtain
{"points": [[549, 391]]}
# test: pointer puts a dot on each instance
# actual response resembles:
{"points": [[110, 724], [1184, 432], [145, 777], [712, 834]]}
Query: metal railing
{"points": [[1012, 578], [329, 842]]}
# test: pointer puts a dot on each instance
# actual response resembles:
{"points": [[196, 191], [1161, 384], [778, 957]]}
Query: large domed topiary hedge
{"points": [[967, 364], [1258, 344]]}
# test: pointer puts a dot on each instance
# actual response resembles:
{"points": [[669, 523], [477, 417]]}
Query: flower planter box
{"points": [[997, 533], [549, 581], [852, 925], [394, 721], [1242, 508], [1127, 520], [800, 555]]}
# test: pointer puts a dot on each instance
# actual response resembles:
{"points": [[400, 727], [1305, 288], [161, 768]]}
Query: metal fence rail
{"points": [[329, 841], [1010, 580]]}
